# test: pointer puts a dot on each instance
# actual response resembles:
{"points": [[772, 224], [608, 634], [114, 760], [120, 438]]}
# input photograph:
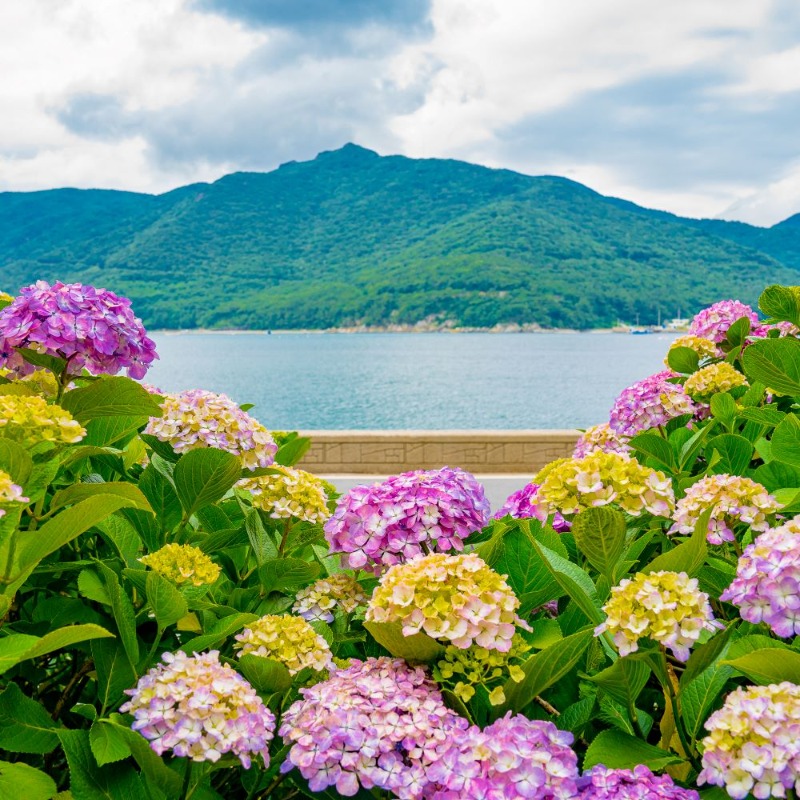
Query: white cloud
{"points": [[776, 201]]}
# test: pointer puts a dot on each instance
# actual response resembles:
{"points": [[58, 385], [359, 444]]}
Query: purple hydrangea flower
{"points": [[378, 723], [713, 322], [514, 757], [402, 517], [649, 403], [522, 505], [767, 583], [91, 328], [639, 783]]}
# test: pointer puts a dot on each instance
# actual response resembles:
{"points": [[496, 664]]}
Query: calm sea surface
{"points": [[421, 381]]}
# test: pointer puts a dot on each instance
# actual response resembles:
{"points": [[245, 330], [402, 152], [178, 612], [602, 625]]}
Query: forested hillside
{"points": [[356, 238]]}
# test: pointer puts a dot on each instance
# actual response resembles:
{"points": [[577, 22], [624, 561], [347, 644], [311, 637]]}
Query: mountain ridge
{"points": [[355, 238]]}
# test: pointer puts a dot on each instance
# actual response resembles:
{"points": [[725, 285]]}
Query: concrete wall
{"points": [[389, 452]]}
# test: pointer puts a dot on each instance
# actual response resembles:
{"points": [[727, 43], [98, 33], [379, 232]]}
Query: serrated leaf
{"points": [[16, 461], [114, 672], [618, 750], [786, 441], [416, 649], [655, 447], [19, 647], [204, 476], [723, 408], [768, 665], [775, 363], [264, 548], [162, 497], [168, 604], [687, 557], [600, 535], [699, 696], [282, 574], [682, 359], [123, 611], [623, 680], [265, 674], [738, 331], [111, 397], [107, 744], [544, 669], [80, 491], [781, 304], [219, 632], [25, 726], [734, 452], [23, 781]]}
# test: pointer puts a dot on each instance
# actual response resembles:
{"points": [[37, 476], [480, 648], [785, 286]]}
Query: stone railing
{"points": [[389, 452]]}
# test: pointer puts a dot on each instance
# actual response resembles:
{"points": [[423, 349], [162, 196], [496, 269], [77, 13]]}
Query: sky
{"points": [[691, 106]]}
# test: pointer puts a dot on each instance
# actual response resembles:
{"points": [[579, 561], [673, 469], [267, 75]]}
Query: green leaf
{"points": [[114, 672], [691, 448], [107, 744], [122, 609], [738, 332], [292, 450], [544, 669], [761, 416], [600, 535], [786, 441], [573, 582], [260, 540], [90, 782], [105, 431], [282, 574], [775, 363], [699, 696], [416, 649], [706, 655], [19, 647], [204, 476], [220, 631], [111, 397], [777, 475], [25, 726], [511, 553], [78, 492], [265, 674], [162, 497], [59, 530], [687, 557], [168, 604], [768, 665], [781, 304], [734, 451], [623, 680], [23, 781], [683, 360], [723, 408], [655, 447], [618, 750], [16, 461]]}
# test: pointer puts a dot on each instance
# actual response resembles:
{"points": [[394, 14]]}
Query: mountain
{"points": [[352, 237]]}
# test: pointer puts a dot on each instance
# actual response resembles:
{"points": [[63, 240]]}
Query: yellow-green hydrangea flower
{"points": [[704, 348], [30, 420], [463, 670], [458, 599], [9, 492], [667, 607], [711, 380], [5, 297], [290, 640], [183, 564], [572, 485], [317, 602], [289, 493]]}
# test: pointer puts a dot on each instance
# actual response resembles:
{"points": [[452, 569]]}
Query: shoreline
{"points": [[410, 329]]}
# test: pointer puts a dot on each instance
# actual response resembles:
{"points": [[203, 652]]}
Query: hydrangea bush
{"points": [[184, 613]]}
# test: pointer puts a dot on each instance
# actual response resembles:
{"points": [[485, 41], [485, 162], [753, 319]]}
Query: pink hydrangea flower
{"points": [[522, 505], [713, 322], [378, 723], [649, 403], [639, 783], [91, 328], [394, 521]]}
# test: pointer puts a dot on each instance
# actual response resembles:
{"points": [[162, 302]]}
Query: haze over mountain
{"points": [[352, 238]]}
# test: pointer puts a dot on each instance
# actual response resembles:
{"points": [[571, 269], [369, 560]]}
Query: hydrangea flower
{"points": [[458, 599], [289, 493], [290, 640], [463, 670], [664, 606], [378, 723], [602, 478], [5, 297], [393, 521], [753, 744], [713, 322], [195, 707], [182, 564], [9, 492], [514, 757], [91, 328], [704, 348], [522, 505], [639, 783], [733, 499], [317, 602], [601, 437], [767, 583], [710, 380], [30, 420], [197, 418], [649, 403]]}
